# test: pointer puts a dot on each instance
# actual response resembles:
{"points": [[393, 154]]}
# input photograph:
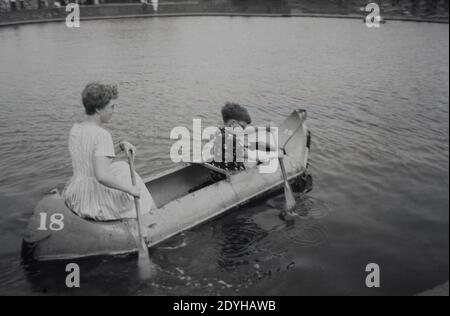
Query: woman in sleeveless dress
{"points": [[100, 188]]}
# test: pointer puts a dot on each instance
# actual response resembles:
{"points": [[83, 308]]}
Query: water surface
{"points": [[377, 101]]}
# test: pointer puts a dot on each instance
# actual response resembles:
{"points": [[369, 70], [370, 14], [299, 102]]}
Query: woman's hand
{"points": [[127, 147], [135, 191]]}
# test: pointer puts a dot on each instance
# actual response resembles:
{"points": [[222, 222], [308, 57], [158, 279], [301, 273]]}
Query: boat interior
{"points": [[181, 181]]}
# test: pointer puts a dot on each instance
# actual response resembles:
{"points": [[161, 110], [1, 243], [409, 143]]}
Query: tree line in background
{"points": [[15, 5], [427, 7], [394, 7], [417, 7], [403, 7]]}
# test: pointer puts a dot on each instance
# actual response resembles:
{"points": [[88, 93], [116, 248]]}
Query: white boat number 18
{"points": [[56, 222]]}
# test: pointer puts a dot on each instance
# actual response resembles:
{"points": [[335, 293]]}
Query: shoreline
{"points": [[225, 14], [179, 9]]}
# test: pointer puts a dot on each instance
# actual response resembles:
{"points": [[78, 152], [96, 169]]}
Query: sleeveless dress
{"points": [[84, 194]]}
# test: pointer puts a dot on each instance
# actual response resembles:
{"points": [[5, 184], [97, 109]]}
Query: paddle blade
{"points": [[146, 268], [290, 200], [288, 215], [288, 194]]}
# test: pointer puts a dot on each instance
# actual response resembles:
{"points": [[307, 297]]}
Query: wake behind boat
{"points": [[183, 199]]}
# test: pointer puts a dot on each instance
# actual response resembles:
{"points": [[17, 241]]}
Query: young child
{"points": [[235, 152], [234, 116]]}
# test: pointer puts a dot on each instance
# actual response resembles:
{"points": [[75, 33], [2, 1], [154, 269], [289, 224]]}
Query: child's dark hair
{"points": [[234, 111]]}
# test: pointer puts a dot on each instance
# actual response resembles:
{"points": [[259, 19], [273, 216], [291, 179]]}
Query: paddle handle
{"points": [[137, 204], [283, 169]]}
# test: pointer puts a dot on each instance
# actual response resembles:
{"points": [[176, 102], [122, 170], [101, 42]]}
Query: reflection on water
{"points": [[238, 242], [98, 276], [377, 103]]}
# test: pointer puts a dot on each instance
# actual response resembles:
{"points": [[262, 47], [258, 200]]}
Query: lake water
{"points": [[378, 109]]}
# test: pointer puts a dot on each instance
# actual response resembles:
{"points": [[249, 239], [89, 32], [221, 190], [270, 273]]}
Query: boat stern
{"points": [[56, 233]]}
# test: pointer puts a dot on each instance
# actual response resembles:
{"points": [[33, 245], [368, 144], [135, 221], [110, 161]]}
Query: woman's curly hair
{"points": [[97, 95]]}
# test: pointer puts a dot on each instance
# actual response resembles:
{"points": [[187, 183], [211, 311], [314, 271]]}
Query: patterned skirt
{"points": [[88, 198]]}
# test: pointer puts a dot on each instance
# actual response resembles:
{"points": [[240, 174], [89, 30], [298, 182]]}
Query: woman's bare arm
{"points": [[103, 175]]}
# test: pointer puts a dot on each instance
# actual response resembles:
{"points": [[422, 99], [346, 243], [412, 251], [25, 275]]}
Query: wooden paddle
{"points": [[144, 262], [292, 125], [289, 213]]}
